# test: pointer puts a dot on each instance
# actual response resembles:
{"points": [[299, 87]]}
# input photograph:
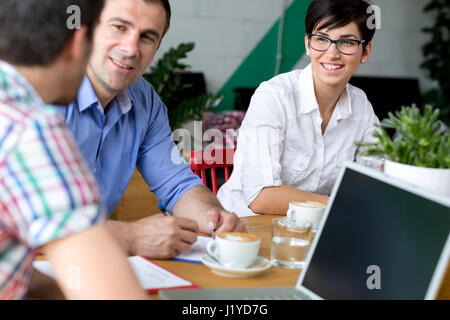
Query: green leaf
{"points": [[166, 81], [419, 139], [193, 108]]}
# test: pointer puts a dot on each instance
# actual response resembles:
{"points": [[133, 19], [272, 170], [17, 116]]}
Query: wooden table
{"points": [[274, 277], [205, 278]]}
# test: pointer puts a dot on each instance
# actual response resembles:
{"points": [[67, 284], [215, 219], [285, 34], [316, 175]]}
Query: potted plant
{"points": [[166, 80], [420, 150], [437, 57]]}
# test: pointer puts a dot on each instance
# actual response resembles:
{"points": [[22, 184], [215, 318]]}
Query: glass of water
{"points": [[374, 162], [290, 242]]}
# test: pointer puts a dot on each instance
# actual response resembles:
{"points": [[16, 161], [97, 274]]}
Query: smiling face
{"points": [[125, 42], [332, 68]]}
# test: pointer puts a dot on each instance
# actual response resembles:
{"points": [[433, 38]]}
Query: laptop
{"points": [[380, 238]]}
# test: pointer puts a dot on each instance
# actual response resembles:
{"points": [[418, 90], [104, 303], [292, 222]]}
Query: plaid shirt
{"points": [[46, 190]]}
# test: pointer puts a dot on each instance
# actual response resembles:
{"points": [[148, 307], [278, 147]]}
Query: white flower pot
{"points": [[435, 180]]}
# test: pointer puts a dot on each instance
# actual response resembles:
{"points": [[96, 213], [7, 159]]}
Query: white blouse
{"points": [[280, 141]]}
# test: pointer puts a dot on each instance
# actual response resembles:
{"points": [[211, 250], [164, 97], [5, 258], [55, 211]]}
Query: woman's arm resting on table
{"points": [[275, 200], [92, 265]]}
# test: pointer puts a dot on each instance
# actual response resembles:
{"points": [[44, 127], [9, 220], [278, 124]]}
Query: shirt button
{"points": [[98, 107]]}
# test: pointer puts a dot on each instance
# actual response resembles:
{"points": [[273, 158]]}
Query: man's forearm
{"points": [[123, 232], [195, 203]]}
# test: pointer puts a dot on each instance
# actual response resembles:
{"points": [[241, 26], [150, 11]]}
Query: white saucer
{"points": [[261, 264]]}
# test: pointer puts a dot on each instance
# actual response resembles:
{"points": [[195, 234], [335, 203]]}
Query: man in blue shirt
{"points": [[120, 122]]}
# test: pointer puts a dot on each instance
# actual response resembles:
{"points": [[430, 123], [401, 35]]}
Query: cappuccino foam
{"points": [[308, 204], [239, 237]]}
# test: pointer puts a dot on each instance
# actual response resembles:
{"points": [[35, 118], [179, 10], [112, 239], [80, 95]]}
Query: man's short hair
{"points": [[34, 32], [166, 5]]}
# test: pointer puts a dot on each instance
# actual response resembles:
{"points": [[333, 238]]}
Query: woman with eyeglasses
{"points": [[302, 125]]}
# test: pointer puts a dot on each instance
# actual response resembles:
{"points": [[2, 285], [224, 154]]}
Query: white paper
{"points": [[197, 251], [152, 276], [149, 275]]}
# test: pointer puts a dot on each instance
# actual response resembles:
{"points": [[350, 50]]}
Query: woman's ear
{"points": [[366, 53], [306, 44]]}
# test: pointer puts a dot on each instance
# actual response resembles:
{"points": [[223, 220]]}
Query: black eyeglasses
{"points": [[344, 46]]}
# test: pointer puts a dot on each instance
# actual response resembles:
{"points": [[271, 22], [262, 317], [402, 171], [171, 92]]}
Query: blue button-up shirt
{"points": [[134, 132]]}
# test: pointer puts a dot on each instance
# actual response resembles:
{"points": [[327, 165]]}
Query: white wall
{"points": [[225, 32], [397, 46]]}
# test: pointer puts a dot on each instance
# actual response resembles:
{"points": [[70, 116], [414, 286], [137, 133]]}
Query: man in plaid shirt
{"points": [[48, 199]]}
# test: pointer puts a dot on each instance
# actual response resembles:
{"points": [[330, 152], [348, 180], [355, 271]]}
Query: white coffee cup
{"points": [[306, 210], [234, 249]]}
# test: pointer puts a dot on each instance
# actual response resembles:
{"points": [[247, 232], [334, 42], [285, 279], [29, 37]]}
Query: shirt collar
{"points": [[308, 101], [124, 101], [308, 96], [87, 98], [344, 105]]}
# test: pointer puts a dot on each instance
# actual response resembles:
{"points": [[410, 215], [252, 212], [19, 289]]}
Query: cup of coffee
{"points": [[234, 249], [306, 210]]}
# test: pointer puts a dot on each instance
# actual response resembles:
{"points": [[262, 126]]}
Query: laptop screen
{"points": [[379, 242]]}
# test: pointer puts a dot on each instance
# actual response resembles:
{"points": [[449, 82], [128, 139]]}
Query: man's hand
{"points": [[220, 221], [200, 204], [157, 236]]}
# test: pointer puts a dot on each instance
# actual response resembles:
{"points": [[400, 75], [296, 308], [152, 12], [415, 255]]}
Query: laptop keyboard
{"points": [[277, 297], [262, 293]]}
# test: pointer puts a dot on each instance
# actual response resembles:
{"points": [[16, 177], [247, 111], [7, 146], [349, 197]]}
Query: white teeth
{"points": [[121, 65], [331, 66]]}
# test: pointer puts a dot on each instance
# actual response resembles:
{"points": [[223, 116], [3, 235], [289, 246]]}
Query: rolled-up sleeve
{"points": [[162, 166], [260, 143], [371, 124]]}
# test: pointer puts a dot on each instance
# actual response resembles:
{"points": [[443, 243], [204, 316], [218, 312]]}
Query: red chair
{"points": [[211, 159]]}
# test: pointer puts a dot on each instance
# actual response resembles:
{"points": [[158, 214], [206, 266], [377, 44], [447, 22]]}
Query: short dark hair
{"points": [[34, 32], [341, 13], [166, 5]]}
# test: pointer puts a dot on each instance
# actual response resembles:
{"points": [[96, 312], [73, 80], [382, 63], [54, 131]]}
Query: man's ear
{"points": [[76, 46]]}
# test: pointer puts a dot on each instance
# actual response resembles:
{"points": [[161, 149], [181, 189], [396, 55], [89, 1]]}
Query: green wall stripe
{"points": [[260, 64]]}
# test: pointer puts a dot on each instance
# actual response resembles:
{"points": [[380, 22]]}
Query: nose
{"points": [[130, 46], [333, 51]]}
